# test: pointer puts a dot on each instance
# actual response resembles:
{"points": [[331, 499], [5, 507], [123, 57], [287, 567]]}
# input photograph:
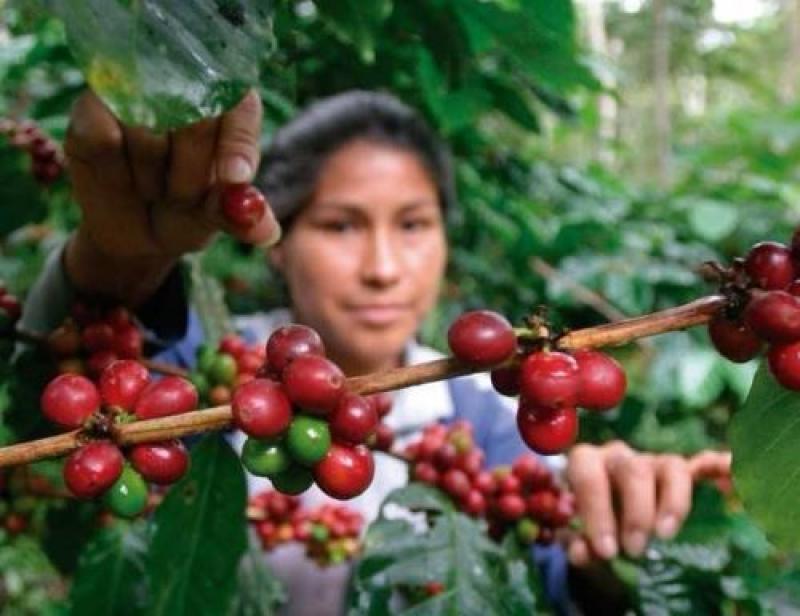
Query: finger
{"points": [[578, 552], [634, 480], [710, 465], [586, 473], [674, 494], [238, 141], [147, 155], [192, 151], [94, 145]]}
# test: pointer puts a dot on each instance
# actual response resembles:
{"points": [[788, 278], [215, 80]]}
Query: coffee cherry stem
{"points": [[164, 428]]}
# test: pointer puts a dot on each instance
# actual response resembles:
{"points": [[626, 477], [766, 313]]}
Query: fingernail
{"points": [[635, 542], [273, 239], [606, 546], [236, 170], [667, 526]]}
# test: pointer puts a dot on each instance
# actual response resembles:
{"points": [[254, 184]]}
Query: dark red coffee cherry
{"points": [[511, 507], [69, 400], [602, 380], [289, 342], [482, 338], [345, 472], [171, 395], [261, 409], [128, 342], [383, 438], [734, 340], [769, 265], [545, 430], [550, 379], [162, 463], [93, 469], [506, 380], [243, 205], [313, 383], [354, 419], [97, 337], [774, 316], [784, 363], [122, 383]]}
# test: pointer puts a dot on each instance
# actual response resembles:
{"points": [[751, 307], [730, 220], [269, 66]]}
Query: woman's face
{"points": [[364, 260]]}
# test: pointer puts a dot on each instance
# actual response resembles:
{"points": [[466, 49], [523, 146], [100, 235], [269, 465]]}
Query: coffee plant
{"points": [[112, 506]]}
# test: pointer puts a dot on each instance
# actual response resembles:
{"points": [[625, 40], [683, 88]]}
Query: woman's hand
{"points": [[652, 494], [148, 198]]}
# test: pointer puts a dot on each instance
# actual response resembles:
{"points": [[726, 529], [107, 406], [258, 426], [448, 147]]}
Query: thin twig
{"points": [[163, 428]]}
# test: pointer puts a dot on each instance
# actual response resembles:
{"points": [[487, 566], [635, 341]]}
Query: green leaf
{"points": [[208, 298], [20, 195], [478, 576], [200, 535], [764, 438], [163, 64], [356, 22], [111, 573], [713, 220], [259, 593]]}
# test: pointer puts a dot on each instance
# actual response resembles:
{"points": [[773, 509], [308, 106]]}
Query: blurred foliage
{"points": [[515, 91]]}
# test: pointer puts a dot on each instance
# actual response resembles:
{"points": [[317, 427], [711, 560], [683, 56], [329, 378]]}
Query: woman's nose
{"points": [[381, 263]]}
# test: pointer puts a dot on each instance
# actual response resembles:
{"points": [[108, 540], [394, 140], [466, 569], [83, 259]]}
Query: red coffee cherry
{"points": [[69, 400], [345, 472], [92, 469], [128, 342], [354, 419], [97, 337], [261, 409], [122, 383], [313, 383], [382, 401], [784, 363], [550, 379], [289, 342], [769, 265], [383, 438], [602, 380], [506, 380], [545, 430], [456, 483], [511, 507], [11, 306], [99, 361], [163, 463], [474, 503], [482, 338], [242, 205], [171, 395], [542, 505], [774, 316], [426, 473], [232, 345], [734, 340]]}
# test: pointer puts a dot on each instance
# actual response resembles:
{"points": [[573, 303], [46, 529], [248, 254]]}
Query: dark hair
{"points": [[292, 162]]}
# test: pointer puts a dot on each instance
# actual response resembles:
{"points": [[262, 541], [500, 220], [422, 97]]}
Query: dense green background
{"points": [[547, 176]]}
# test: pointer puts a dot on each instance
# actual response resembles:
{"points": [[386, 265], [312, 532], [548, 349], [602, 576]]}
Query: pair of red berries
{"points": [[772, 315], [46, 159], [93, 339], [73, 401], [324, 444]]}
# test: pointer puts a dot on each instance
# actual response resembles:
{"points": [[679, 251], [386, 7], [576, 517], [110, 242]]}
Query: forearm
{"points": [[126, 280]]}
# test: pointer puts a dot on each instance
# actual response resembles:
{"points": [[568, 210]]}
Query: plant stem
{"points": [[217, 418]]}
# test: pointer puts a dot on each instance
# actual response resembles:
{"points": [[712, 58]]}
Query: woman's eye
{"points": [[338, 226], [415, 224]]}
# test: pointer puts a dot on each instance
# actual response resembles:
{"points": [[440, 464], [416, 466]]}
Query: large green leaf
{"points": [[200, 535], [163, 64], [110, 576], [479, 577], [765, 435], [20, 197]]}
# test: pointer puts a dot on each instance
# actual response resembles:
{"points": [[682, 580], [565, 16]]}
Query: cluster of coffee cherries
{"points": [[330, 532], [219, 370], [524, 496], [551, 384], [47, 163], [770, 313], [93, 338], [303, 426], [125, 392]]}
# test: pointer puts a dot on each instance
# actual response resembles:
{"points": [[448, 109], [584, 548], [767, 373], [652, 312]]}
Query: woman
{"points": [[360, 188]]}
